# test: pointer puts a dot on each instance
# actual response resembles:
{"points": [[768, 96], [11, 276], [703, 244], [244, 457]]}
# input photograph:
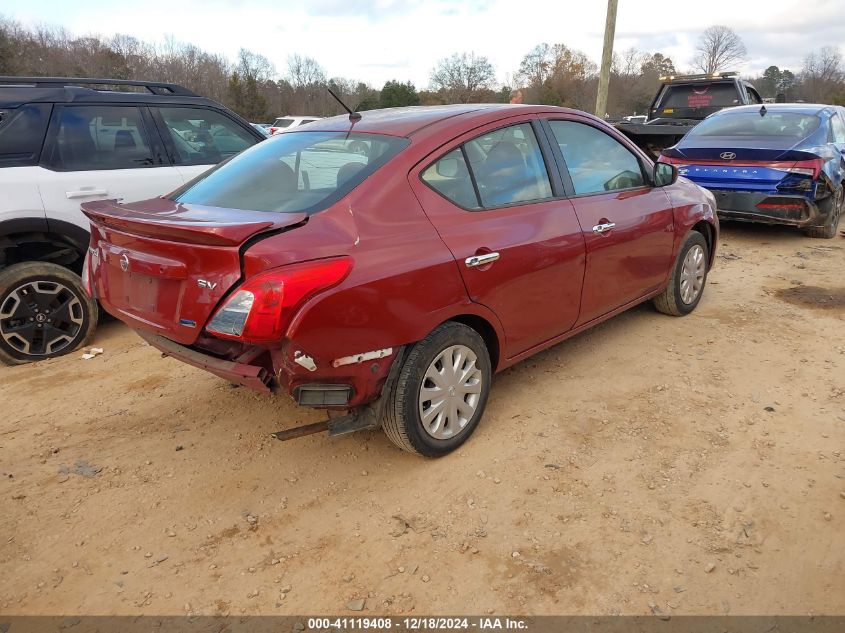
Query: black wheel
{"points": [[440, 393], [689, 274], [44, 312], [833, 205]]}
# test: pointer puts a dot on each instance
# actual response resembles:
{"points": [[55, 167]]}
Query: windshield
{"points": [[294, 172], [700, 96], [750, 123]]}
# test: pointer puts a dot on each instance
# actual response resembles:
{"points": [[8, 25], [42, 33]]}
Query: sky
{"points": [[377, 40]]}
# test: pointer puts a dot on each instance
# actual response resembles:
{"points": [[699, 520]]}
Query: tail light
{"points": [[87, 286], [262, 307], [812, 167], [273, 130]]}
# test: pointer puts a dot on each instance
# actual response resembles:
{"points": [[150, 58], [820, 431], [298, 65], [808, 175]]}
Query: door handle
{"points": [[604, 228], [480, 260], [84, 193]]}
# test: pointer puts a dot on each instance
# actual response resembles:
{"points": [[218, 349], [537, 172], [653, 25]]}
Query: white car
{"points": [[68, 141], [285, 123]]}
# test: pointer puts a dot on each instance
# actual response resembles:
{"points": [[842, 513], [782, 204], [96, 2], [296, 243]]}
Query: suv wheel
{"points": [[44, 312], [835, 205], [440, 393]]}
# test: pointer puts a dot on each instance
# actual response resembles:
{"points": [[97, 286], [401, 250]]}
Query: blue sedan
{"points": [[777, 163]]}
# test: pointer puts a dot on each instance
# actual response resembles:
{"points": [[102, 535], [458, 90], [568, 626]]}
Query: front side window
{"points": [[101, 137], [596, 162], [293, 172], [204, 137]]}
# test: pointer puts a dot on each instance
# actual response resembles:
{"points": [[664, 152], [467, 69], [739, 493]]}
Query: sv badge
{"points": [[202, 283]]}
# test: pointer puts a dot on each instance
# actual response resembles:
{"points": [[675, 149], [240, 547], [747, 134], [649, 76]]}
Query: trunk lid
{"points": [[757, 164], [164, 266]]}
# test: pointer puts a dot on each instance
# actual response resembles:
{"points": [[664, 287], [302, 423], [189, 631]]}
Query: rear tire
{"points": [[44, 312], [688, 278], [834, 214], [440, 393]]}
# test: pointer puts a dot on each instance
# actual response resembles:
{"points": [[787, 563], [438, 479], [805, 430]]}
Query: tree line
{"points": [[551, 74]]}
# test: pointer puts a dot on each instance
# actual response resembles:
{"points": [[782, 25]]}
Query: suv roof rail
{"points": [[155, 87], [699, 76]]}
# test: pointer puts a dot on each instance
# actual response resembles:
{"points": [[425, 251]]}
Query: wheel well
{"points": [[483, 327], [38, 246], [706, 230]]}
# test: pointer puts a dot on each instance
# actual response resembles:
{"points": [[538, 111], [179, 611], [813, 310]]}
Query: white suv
{"points": [[285, 123], [62, 144]]}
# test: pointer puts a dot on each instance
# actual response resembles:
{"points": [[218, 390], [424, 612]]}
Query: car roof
{"points": [[799, 108], [413, 120], [12, 96]]}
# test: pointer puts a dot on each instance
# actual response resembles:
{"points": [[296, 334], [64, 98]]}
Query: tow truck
{"points": [[682, 102]]}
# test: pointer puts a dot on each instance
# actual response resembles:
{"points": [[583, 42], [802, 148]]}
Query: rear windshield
{"points": [[704, 96], [283, 122], [294, 172], [750, 123]]}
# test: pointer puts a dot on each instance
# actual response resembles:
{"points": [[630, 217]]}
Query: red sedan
{"points": [[388, 265]]}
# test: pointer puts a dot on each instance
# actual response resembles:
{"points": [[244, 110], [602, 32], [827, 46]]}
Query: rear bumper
{"points": [[764, 208], [239, 372]]}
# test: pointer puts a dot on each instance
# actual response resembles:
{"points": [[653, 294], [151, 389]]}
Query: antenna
{"points": [[353, 116]]}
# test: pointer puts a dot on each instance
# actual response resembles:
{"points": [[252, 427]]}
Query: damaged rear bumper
{"points": [[239, 371], [767, 209]]}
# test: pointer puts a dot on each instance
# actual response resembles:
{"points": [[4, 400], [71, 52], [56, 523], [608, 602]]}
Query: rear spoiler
{"points": [[168, 220]]}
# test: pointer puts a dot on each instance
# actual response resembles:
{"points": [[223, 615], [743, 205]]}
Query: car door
{"points": [[198, 138], [517, 244], [627, 225], [95, 152]]}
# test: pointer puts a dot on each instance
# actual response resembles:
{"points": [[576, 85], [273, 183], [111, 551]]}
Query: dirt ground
{"points": [[651, 465]]}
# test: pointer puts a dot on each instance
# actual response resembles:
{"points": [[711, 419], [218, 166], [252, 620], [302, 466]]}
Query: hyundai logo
{"points": [[727, 155], [124, 262]]}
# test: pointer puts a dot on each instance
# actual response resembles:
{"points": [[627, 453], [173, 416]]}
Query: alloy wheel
{"points": [[40, 318]]}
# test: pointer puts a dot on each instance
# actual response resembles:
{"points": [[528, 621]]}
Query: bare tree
{"points": [[305, 71], [463, 76], [719, 48], [822, 74]]}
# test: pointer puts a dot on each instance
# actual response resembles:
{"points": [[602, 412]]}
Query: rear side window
{"points": [[596, 161], [450, 177], [506, 166], [283, 122], [694, 96], [22, 133], [838, 128], [101, 137], [293, 172], [203, 137]]}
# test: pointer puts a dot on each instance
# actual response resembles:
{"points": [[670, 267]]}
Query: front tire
{"points": [[688, 277], [440, 393], [44, 312]]}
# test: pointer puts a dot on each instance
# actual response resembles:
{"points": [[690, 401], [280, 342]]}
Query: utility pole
{"points": [[606, 58]]}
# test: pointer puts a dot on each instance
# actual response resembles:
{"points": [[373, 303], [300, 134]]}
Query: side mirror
{"points": [[664, 174]]}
